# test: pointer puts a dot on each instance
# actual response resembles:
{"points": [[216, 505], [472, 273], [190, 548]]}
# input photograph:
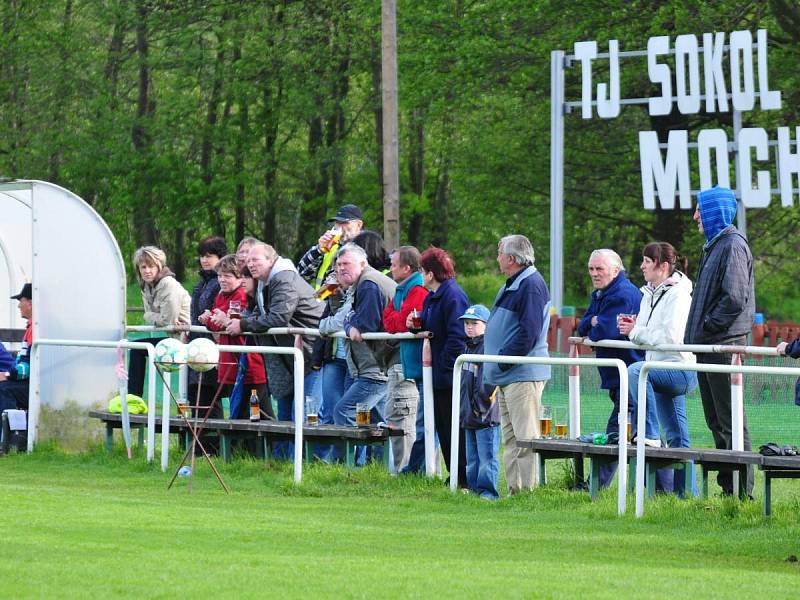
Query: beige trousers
{"points": [[519, 418]]}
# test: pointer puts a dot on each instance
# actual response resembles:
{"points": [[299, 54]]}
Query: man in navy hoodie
{"points": [[613, 295], [517, 326]]}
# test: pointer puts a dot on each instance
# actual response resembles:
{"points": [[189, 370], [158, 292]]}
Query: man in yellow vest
{"points": [[317, 263]]}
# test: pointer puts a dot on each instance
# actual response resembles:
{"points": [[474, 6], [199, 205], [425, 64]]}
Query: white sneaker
{"points": [[648, 442]]}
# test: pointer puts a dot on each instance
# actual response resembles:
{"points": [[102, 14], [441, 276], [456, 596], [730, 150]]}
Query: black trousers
{"points": [[136, 366], [715, 392], [442, 415]]}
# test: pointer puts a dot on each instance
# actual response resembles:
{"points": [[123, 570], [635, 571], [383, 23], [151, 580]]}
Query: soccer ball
{"points": [[170, 354], [202, 354]]}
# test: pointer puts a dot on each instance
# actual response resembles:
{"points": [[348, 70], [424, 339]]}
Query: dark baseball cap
{"points": [[348, 212], [27, 292]]}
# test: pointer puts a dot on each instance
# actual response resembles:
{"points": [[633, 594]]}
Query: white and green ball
{"points": [[202, 354], [170, 354]]}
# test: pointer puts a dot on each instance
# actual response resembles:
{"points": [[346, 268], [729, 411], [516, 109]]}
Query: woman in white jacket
{"points": [[661, 320]]}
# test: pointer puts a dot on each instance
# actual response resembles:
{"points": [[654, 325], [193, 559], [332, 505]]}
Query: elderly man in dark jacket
{"points": [[723, 306], [614, 294]]}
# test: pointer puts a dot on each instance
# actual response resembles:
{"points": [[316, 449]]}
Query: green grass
{"points": [[94, 525]]}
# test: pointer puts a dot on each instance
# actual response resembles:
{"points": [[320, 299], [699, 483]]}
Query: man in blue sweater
{"points": [[613, 294], [517, 326]]}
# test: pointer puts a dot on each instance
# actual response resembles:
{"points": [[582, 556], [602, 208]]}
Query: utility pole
{"points": [[391, 166]]}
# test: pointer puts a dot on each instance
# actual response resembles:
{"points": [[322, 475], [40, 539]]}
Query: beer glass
{"points": [[312, 414], [235, 309], [545, 421], [561, 421], [362, 414]]}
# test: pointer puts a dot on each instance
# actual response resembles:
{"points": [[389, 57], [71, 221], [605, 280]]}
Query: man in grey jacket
{"points": [[283, 299], [723, 305]]}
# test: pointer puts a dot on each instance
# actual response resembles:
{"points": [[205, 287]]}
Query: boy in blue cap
{"points": [[480, 415]]}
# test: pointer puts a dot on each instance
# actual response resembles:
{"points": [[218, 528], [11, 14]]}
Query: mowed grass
{"points": [[97, 526]]}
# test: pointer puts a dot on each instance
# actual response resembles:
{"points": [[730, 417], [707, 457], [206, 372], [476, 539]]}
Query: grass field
{"points": [[96, 526]]}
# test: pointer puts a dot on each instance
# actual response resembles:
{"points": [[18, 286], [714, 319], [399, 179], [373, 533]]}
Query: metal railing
{"points": [[427, 371], [736, 369], [574, 422]]}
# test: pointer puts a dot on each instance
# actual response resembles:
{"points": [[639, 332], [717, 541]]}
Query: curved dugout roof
{"points": [[51, 237]]}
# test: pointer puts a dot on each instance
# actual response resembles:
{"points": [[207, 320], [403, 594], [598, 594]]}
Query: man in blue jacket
{"points": [[613, 294], [517, 326]]}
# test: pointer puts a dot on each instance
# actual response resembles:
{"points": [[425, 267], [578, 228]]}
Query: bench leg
{"points": [[650, 479], [704, 472], [109, 437], [579, 477], [350, 452], [225, 446], [141, 437], [632, 475], [594, 478], [387, 449], [767, 494], [542, 471], [307, 448]]}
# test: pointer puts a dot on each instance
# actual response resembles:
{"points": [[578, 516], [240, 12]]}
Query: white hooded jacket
{"points": [[662, 317]]}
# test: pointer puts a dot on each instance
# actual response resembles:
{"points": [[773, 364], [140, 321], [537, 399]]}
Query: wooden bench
{"points": [[266, 432], [709, 459]]}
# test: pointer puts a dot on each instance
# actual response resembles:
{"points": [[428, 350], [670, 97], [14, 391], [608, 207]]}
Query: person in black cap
{"points": [[14, 382], [317, 263]]}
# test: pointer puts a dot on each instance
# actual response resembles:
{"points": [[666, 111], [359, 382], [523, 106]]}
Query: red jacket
{"points": [[228, 361]]}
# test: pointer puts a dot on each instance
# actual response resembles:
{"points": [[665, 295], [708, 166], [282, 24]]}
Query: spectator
{"points": [[517, 326], [166, 303], [480, 415], [232, 290], [243, 251], [662, 320], [367, 361], [316, 265], [405, 379], [15, 376], [440, 315], [283, 299], [613, 295], [722, 310], [209, 251]]}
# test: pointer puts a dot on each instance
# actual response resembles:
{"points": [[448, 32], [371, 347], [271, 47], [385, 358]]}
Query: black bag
{"points": [[12, 438]]}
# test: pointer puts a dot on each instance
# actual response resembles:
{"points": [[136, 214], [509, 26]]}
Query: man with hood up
{"points": [[722, 310]]}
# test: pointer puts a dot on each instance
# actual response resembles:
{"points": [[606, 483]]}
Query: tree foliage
{"points": [[178, 119]]}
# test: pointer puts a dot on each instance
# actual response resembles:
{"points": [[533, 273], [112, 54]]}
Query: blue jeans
{"points": [[483, 464], [335, 381], [285, 450], [362, 390], [666, 406]]}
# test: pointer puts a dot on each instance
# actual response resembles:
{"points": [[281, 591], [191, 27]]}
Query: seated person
{"points": [[14, 379]]}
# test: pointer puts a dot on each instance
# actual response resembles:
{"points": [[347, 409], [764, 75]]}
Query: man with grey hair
{"points": [[517, 326], [613, 294], [367, 361], [283, 299]]}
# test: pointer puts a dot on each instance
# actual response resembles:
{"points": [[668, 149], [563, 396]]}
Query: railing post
{"points": [[574, 394], [427, 404], [165, 409], [737, 415]]}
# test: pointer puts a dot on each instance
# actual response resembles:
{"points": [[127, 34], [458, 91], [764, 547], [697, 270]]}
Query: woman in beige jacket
{"points": [[165, 301]]}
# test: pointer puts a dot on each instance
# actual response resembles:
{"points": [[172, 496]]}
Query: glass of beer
{"points": [[416, 319], [362, 414], [312, 416], [561, 422], [183, 407], [235, 309], [545, 421]]}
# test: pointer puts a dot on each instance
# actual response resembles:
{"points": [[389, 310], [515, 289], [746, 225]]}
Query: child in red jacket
{"points": [[229, 304]]}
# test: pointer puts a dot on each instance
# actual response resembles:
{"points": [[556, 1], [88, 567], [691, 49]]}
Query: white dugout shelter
{"points": [[52, 238]]}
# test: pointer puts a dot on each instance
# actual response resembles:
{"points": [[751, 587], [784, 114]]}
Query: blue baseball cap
{"points": [[476, 312]]}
